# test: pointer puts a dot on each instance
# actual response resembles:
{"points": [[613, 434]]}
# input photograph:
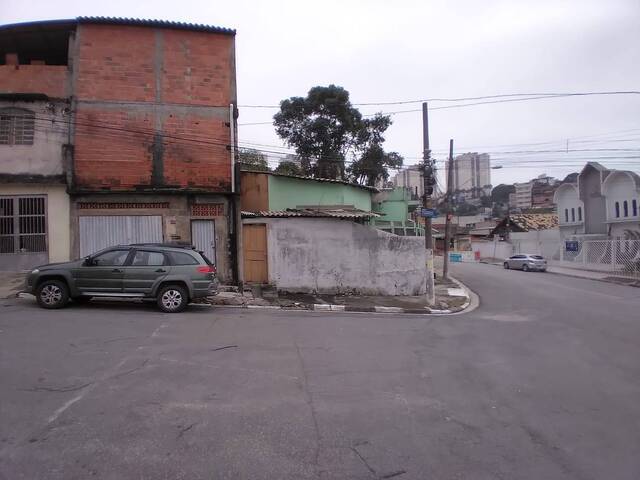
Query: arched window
{"points": [[617, 209], [566, 215], [634, 207], [625, 208], [579, 214], [573, 214], [16, 126]]}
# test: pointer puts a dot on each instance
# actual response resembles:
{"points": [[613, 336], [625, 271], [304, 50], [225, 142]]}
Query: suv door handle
{"points": [[161, 270], [116, 270]]}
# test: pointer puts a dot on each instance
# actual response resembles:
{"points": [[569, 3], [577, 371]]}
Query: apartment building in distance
{"points": [[116, 131], [523, 195], [471, 175], [536, 193], [411, 178], [542, 190]]}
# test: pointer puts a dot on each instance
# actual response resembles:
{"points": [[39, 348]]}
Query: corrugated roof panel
{"points": [[144, 22], [336, 213]]}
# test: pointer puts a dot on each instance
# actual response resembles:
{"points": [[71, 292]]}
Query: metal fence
{"points": [[405, 229], [616, 256]]}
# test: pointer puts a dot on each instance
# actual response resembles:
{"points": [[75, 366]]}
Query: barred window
{"points": [[23, 225], [17, 126]]}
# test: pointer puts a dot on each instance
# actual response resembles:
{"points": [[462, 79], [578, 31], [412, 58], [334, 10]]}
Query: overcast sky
{"points": [[383, 51]]}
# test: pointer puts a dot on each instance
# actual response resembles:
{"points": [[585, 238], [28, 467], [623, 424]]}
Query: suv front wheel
{"points": [[172, 299], [52, 294]]}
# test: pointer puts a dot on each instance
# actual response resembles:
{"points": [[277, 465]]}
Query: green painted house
{"points": [[389, 209], [267, 191]]}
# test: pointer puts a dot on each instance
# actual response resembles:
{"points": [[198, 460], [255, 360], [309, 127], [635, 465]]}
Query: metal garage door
{"points": [[203, 237], [100, 232]]}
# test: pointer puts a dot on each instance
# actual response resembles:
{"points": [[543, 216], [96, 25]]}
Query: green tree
{"points": [[500, 194], [322, 127], [327, 132], [373, 163], [251, 159], [289, 168], [466, 209]]}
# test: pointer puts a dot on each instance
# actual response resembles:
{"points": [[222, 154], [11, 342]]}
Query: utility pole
{"points": [[428, 178], [447, 234]]}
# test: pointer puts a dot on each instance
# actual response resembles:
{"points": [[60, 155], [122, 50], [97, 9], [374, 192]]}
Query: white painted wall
{"points": [[493, 249], [58, 223], [338, 256], [540, 242], [44, 157], [619, 187], [567, 200]]}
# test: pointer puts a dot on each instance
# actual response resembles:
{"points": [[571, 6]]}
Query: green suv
{"points": [[171, 274]]}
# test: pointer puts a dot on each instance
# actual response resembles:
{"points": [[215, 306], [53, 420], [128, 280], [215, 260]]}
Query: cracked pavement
{"points": [[538, 382]]}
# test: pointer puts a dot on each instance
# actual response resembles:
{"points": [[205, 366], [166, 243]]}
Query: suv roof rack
{"points": [[184, 245]]}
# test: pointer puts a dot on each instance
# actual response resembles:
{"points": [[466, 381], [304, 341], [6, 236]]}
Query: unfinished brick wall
{"points": [[197, 70], [152, 107], [109, 154], [51, 80]]}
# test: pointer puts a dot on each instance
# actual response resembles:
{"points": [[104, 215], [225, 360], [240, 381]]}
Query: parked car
{"points": [[171, 274], [526, 262]]}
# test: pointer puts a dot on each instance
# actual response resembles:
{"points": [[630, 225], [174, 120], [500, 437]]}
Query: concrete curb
{"points": [[326, 307]]}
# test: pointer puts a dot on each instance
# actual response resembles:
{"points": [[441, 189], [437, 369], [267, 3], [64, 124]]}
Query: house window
{"points": [[634, 207], [579, 214], [23, 226], [617, 209], [17, 126], [566, 215], [625, 208], [573, 214]]}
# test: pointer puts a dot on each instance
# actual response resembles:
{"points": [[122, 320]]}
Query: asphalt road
{"points": [[542, 381]]}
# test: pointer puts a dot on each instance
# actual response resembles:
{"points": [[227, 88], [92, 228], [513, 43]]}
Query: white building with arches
{"points": [[602, 204]]}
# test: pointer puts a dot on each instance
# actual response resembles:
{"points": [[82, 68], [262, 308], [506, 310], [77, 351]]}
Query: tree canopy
{"points": [[289, 168], [251, 159], [328, 133], [500, 194]]}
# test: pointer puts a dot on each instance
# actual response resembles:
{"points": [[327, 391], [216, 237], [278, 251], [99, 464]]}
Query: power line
{"points": [[192, 142], [483, 97]]}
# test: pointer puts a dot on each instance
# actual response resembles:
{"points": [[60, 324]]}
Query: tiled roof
{"points": [[535, 221], [313, 213], [302, 177], [144, 22]]}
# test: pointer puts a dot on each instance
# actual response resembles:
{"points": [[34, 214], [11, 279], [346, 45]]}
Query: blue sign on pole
{"points": [[571, 246], [428, 212]]}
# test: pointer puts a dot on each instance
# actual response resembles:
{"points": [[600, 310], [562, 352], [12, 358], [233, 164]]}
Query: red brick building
{"points": [[142, 114]]}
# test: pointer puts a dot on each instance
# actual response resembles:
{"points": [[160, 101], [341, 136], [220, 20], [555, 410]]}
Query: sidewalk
{"points": [[580, 273], [11, 283], [451, 297]]}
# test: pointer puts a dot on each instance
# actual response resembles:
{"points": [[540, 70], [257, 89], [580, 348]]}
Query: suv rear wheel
{"points": [[52, 294], [172, 299]]}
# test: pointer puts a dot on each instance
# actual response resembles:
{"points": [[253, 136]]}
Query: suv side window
{"points": [[180, 258], [144, 258], [112, 258]]}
